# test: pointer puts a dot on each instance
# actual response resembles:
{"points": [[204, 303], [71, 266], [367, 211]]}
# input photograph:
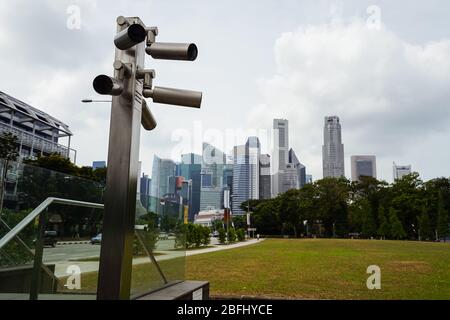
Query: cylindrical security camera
{"points": [[148, 120], [130, 37], [185, 98], [173, 51], [108, 86]]}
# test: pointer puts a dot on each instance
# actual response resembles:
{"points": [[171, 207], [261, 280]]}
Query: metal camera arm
{"points": [[129, 87]]}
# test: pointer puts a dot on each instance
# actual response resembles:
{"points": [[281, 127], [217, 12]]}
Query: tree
{"points": [[408, 200], [222, 236], [265, 217], [442, 223], [397, 231], [369, 227], [8, 152], [206, 238], [425, 230], [384, 227], [240, 233], [290, 209], [231, 235], [332, 196], [240, 222]]}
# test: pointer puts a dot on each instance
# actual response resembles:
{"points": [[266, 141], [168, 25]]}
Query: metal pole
{"points": [[116, 254], [35, 285]]}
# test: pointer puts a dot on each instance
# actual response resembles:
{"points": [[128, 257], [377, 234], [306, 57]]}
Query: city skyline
{"points": [[287, 79]]}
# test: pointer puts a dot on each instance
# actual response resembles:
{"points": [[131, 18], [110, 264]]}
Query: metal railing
{"points": [[40, 212]]}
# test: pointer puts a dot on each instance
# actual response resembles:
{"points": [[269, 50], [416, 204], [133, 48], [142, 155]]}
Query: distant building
{"points": [[37, 132], [280, 154], [401, 171], [190, 169], [246, 174], [207, 218], [212, 174], [301, 169], [145, 187], [161, 171], [265, 179], [98, 165], [333, 149], [309, 179], [363, 166], [290, 178]]}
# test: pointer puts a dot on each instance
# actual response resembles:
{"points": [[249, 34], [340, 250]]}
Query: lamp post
{"points": [[95, 101]]}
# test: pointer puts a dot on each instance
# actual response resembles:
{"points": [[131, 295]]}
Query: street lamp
{"points": [[94, 101]]}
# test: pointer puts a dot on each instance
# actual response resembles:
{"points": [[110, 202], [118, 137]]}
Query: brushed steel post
{"points": [[116, 254]]}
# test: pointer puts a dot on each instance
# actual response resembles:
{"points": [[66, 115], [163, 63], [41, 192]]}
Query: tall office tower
{"points": [[290, 178], [145, 188], [98, 165], [301, 169], [280, 154], [253, 149], [190, 169], [363, 166], [240, 179], [246, 171], [333, 149], [265, 180], [161, 171], [212, 184], [401, 171]]}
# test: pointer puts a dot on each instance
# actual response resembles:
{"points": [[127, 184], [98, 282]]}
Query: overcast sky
{"points": [[258, 60]]}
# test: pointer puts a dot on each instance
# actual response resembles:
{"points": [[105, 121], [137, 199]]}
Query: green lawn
{"points": [[327, 269]]}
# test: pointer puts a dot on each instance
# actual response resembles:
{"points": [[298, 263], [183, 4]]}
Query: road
{"points": [[65, 256], [70, 252]]}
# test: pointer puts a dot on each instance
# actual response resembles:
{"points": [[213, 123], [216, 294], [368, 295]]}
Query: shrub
{"points": [[231, 235], [240, 233], [206, 238], [222, 235]]}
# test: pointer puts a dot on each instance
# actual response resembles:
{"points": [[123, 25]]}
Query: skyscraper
{"points": [[246, 173], [98, 165], [290, 178], [280, 154], [301, 169], [190, 169], [145, 187], [265, 180], [333, 149], [401, 171], [161, 171], [212, 184], [363, 166]]}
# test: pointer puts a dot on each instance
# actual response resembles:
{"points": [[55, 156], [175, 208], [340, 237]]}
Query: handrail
{"points": [[23, 244], [38, 210]]}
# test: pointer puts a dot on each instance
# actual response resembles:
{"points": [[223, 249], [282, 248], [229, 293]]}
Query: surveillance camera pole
{"points": [[129, 110]]}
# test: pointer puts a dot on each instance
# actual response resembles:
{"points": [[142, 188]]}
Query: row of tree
{"points": [[409, 208]]}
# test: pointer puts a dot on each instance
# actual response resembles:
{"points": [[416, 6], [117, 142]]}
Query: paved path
{"points": [[61, 267]]}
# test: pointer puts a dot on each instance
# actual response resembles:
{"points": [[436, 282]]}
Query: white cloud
{"points": [[392, 96]]}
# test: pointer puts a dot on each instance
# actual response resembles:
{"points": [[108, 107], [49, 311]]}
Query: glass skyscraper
{"points": [[280, 154], [190, 169], [161, 171], [246, 173], [212, 176], [333, 149]]}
